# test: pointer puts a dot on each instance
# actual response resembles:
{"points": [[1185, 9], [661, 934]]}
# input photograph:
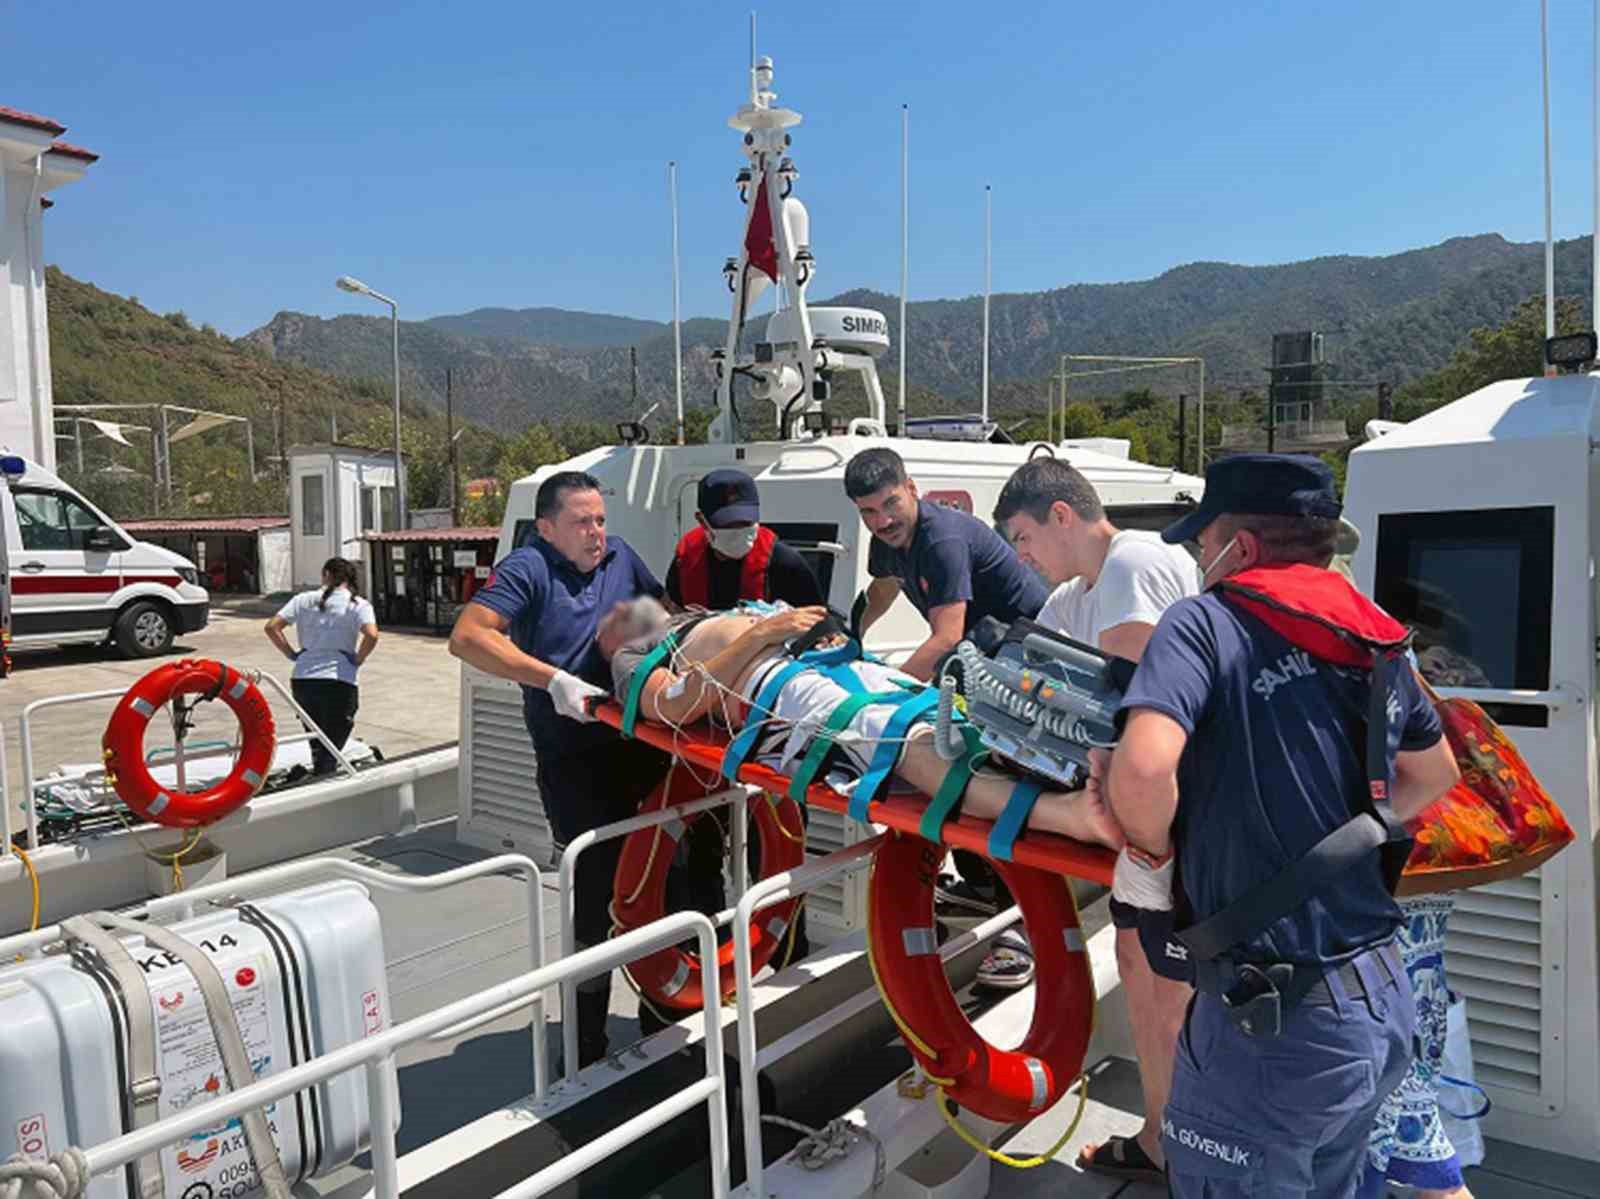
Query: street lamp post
{"points": [[346, 283]]}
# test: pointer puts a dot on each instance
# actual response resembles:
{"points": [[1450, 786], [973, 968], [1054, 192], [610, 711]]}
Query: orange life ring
{"points": [[673, 977], [1008, 1085], [123, 743]]}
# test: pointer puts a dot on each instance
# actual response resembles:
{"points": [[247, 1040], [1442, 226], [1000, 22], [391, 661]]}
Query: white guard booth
{"points": [[337, 494], [1479, 529]]}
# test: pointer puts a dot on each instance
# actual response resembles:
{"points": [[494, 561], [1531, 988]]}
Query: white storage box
{"points": [[306, 974]]}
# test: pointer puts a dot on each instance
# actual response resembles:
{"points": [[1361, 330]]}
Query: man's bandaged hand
{"points": [[570, 695], [1141, 882]]}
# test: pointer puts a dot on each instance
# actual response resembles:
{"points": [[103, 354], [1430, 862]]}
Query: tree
{"points": [[1513, 349], [1080, 419]]}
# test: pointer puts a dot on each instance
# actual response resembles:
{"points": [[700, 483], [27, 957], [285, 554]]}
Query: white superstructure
{"points": [[1480, 527]]}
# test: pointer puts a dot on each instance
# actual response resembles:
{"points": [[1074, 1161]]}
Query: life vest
{"points": [[693, 556], [123, 743]]}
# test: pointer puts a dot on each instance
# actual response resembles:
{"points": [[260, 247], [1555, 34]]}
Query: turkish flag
{"points": [[759, 247]]}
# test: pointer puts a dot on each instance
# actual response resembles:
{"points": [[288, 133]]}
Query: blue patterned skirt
{"points": [[1408, 1144]]}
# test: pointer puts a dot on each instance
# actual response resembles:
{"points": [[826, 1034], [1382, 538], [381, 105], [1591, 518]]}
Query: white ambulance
{"points": [[75, 576]]}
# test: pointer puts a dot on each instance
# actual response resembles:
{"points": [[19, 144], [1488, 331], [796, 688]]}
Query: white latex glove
{"points": [[1140, 882], [570, 693]]}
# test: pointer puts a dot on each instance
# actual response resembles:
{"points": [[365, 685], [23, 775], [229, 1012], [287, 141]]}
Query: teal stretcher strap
{"points": [[948, 797], [636, 681], [1003, 836], [915, 708], [739, 748], [838, 719]]}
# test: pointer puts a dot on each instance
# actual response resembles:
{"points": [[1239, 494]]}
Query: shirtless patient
{"points": [[721, 664]]}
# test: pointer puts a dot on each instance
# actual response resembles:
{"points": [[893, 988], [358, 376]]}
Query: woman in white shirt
{"points": [[338, 632]]}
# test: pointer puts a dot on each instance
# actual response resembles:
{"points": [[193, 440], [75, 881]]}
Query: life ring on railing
{"points": [[1007, 1085], [123, 743], [674, 977]]}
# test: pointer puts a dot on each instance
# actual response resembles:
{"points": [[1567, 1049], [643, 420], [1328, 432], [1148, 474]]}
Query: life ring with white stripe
{"points": [[675, 977], [1007, 1085], [123, 743]]}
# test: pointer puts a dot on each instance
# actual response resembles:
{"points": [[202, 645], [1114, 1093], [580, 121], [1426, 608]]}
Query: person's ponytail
{"points": [[340, 572]]}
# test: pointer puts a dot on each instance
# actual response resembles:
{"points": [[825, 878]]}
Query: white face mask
{"points": [[734, 543], [1205, 571]]}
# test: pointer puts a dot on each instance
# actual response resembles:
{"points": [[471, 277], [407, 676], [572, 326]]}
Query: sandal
{"points": [[1121, 1157]]}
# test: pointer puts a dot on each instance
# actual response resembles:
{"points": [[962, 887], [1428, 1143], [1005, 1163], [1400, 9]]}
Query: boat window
{"points": [[1476, 587], [523, 533], [805, 537], [312, 513]]}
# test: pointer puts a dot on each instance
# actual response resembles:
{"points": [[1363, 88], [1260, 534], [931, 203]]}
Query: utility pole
{"points": [[633, 371], [278, 432], [1183, 430], [450, 435], [1385, 401], [77, 427], [1063, 399], [1272, 417]]}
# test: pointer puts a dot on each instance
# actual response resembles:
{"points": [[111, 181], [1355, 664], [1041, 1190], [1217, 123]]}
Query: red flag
{"points": [[758, 244]]}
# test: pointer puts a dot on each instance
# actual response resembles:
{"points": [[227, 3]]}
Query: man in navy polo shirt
{"points": [[1245, 744], [534, 623], [955, 570]]}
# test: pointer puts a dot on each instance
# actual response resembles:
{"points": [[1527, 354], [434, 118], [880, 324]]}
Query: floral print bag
{"points": [[1496, 823]]}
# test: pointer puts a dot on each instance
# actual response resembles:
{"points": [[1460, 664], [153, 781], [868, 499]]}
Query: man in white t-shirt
{"points": [[1111, 587]]}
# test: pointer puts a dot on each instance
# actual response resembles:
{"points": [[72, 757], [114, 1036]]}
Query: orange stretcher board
{"points": [[902, 811]]}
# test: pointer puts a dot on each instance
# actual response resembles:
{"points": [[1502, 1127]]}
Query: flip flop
{"points": [[1121, 1157]]}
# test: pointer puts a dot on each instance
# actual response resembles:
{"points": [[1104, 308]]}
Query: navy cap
{"points": [[728, 497], [1261, 485]]}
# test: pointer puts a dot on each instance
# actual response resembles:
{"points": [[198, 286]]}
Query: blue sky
{"points": [[474, 154]]}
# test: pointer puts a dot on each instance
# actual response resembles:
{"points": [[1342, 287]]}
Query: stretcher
{"points": [[899, 811], [1006, 1085]]}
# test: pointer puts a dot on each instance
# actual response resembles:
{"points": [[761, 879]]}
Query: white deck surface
{"points": [[446, 946]]}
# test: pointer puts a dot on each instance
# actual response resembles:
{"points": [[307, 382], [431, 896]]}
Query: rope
{"points": [[64, 1175], [33, 876], [1005, 1159], [834, 1141]]}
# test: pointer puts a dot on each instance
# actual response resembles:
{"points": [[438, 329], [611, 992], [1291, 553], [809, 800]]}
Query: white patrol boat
{"points": [[389, 941]]}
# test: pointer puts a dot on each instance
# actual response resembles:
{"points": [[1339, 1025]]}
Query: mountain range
{"points": [[1394, 318]]}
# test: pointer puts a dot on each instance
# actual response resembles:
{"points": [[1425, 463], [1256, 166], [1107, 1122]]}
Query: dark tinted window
{"points": [[803, 537], [1476, 588], [524, 533]]}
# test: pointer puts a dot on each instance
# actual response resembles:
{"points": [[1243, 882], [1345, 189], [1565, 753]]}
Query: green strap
{"points": [[948, 797], [841, 716], [641, 674]]}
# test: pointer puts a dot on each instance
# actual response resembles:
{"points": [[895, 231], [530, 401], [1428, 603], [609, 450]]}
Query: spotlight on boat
{"points": [[1571, 352], [816, 419]]}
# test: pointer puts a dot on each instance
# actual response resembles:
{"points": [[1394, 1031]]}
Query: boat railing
{"points": [[30, 781], [182, 905], [375, 1056], [739, 795]]}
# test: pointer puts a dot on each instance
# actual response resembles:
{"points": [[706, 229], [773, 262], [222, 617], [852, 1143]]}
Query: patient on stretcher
{"points": [[720, 664]]}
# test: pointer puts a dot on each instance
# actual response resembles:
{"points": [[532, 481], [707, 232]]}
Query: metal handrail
{"points": [[568, 901], [182, 906], [375, 1055], [25, 732], [775, 889]]}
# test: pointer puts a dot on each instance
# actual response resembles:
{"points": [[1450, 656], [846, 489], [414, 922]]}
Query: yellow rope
{"points": [[1005, 1159], [872, 963], [33, 875]]}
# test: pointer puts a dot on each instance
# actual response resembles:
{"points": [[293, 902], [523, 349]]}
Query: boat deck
{"points": [[448, 945]]}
